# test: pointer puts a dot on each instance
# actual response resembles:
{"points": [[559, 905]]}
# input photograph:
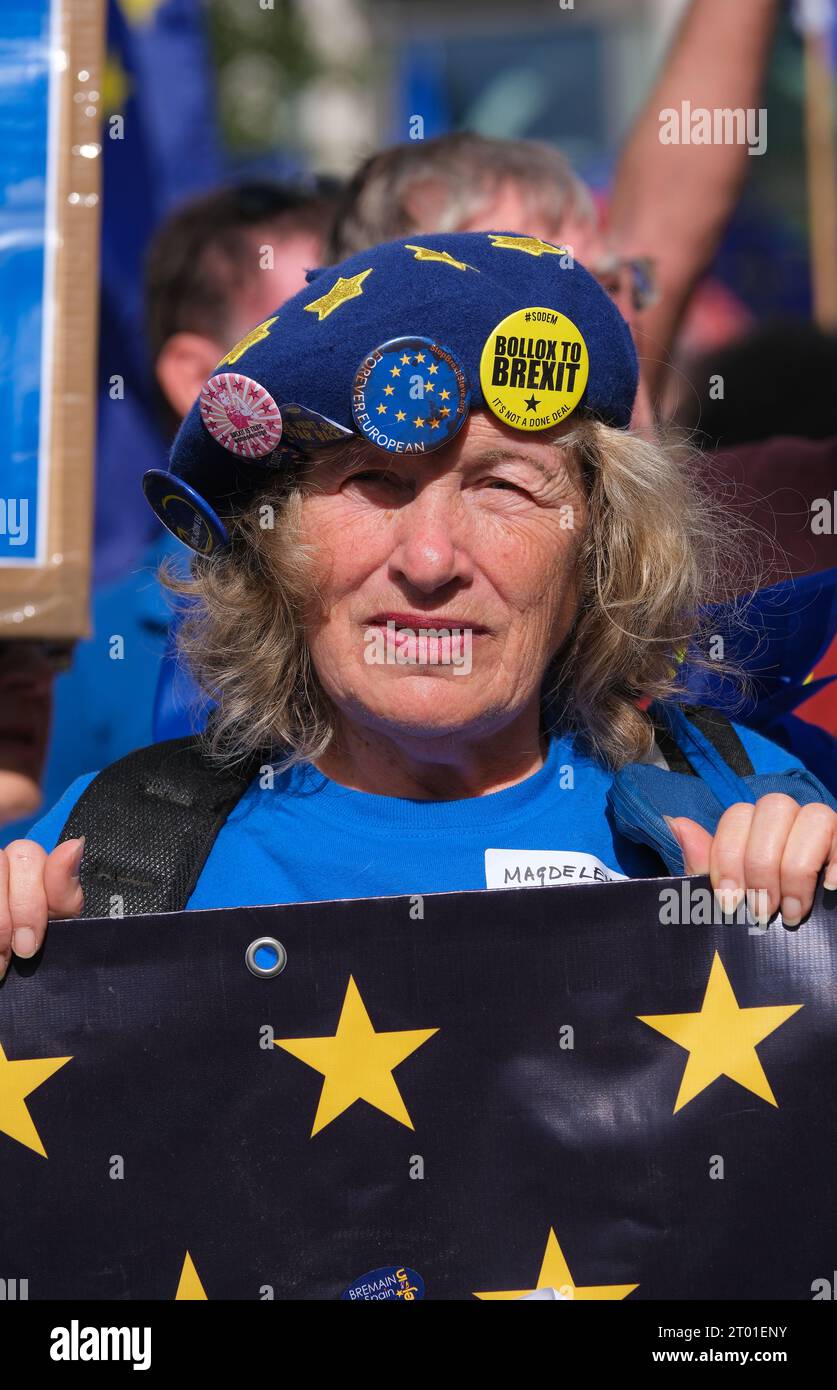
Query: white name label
{"points": [[544, 868]]}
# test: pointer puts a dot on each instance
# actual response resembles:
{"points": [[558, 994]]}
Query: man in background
{"points": [[221, 264]]}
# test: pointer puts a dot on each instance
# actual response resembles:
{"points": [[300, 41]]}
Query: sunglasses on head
{"points": [[635, 273]]}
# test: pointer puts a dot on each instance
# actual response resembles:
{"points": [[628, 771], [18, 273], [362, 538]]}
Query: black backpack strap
{"points": [[150, 820], [715, 727]]}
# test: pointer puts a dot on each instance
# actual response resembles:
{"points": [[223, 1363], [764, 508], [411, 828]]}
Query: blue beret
{"points": [[306, 376]]}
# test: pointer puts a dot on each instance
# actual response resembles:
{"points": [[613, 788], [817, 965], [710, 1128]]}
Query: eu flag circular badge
{"points": [[410, 396], [184, 512]]}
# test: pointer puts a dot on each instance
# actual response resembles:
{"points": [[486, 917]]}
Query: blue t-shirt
{"points": [[309, 839]]}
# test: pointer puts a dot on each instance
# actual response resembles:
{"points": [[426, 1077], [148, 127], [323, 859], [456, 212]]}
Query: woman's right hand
{"points": [[35, 887]]}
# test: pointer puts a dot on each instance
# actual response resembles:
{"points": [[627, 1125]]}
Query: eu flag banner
{"points": [[599, 1090]]}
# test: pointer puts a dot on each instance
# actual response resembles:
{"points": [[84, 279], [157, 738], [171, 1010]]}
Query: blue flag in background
{"points": [[159, 78]]}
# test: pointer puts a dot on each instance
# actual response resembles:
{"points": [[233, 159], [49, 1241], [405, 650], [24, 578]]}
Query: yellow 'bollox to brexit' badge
{"points": [[533, 369]]}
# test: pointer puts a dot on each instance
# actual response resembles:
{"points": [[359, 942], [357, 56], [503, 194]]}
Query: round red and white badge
{"points": [[241, 415]]}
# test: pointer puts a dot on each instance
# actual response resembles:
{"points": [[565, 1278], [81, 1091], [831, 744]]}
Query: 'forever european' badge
{"points": [[410, 396]]}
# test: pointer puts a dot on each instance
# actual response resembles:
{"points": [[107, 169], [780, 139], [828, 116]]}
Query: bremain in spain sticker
{"points": [[534, 368]]}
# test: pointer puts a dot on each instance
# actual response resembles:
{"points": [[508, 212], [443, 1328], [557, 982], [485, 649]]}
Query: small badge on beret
{"points": [[184, 512], [306, 429], [241, 415], [410, 396], [534, 368]]}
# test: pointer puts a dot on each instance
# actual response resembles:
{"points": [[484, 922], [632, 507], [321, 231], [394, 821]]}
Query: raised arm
{"points": [[671, 202]]}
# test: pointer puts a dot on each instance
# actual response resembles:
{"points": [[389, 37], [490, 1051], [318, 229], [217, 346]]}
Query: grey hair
{"points": [[436, 185]]}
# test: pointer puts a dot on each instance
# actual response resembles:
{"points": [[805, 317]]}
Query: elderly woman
{"points": [[437, 586]]}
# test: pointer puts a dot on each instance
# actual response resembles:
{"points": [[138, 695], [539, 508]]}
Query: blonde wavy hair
{"points": [[658, 546]]}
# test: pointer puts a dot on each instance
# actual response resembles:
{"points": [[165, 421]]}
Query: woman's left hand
{"points": [[772, 851]]}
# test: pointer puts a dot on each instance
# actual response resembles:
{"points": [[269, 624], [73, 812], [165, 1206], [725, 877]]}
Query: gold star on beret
{"points": [[256, 335], [340, 291], [532, 245], [424, 253]]}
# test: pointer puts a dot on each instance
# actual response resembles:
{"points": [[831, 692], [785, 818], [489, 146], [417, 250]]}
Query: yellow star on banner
{"points": [[443, 395], [555, 1274], [532, 245], [256, 335], [433, 368], [388, 390], [382, 410], [400, 415], [357, 1062], [419, 356], [395, 371], [424, 253], [190, 1286], [337, 295], [721, 1039], [418, 422], [405, 358], [18, 1080]]}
